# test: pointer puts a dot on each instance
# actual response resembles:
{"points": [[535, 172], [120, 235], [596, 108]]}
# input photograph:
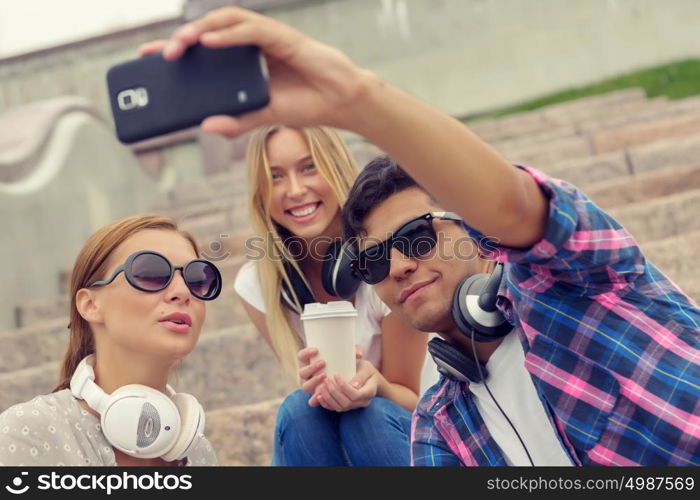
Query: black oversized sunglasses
{"points": [[149, 271], [415, 238]]}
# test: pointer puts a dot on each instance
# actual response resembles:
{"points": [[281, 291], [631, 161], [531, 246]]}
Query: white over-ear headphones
{"points": [[139, 420]]}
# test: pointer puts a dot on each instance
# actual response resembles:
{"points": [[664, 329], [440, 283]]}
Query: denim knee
{"points": [[380, 412], [306, 435], [378, 434], [292, 409]]}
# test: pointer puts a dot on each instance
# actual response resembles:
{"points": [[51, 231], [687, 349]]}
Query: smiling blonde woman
{"points": [[298, 181]]}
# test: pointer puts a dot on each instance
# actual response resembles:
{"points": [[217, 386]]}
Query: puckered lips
{"points": [[177, 322], [303, 213], [413, 291]]}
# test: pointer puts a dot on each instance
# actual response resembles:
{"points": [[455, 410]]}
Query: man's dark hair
{"points": [[380, 179]]}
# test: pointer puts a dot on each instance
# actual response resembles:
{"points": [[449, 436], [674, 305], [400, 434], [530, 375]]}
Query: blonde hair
{"points": [[335, 164], [91, 266]]}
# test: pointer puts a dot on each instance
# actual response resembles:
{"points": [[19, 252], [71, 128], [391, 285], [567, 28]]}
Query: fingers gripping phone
{"points": [[151, 96]]}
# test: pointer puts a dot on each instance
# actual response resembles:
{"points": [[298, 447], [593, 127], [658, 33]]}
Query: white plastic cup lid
{"points": [[335, 309]]}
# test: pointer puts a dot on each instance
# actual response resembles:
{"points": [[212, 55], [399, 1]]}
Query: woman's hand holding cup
{"points": [[312, 372], [337, 394]]}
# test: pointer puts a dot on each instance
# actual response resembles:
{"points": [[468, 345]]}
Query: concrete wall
{"points": [[466, 56], [461, 55]]}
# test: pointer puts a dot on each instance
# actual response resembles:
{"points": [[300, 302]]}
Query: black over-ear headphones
{"points": [[476, 316], [337, 277], [475, 313]]}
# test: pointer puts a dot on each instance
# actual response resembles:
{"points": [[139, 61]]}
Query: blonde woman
{"points": [[138, 294], [299, 179]]}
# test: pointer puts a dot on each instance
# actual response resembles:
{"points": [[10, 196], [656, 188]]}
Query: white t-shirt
{"points": [[514, 390], [54, 430], [370, 313]]}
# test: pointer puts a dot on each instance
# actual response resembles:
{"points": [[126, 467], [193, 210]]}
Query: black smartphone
{"points": [[151, 96]]}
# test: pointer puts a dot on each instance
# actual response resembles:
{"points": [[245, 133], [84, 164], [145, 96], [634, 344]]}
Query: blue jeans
{"points": [[376, 435]]}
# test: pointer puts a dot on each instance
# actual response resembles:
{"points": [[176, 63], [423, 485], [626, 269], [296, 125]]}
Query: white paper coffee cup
{"points": [[330, 328]]}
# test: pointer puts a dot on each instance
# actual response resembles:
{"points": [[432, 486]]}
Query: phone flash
{"points": [[242, 96]]}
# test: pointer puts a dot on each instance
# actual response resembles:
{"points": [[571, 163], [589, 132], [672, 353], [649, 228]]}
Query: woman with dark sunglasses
{"points": [[137, 307]]}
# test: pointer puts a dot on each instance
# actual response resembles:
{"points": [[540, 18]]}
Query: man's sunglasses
{"points": [[415, 238], [149, 271]]}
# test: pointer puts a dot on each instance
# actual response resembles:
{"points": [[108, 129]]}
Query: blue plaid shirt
{"points": [[612, 346]]}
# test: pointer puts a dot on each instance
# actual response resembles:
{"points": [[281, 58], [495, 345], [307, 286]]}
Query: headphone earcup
{"points": [[488, 326], [337, 275], [457, 300], [303, 292], [453, 363], [140, 421], [191, 427]]}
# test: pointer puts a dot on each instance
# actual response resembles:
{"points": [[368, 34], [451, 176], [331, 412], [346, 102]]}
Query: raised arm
{"points": [[315, 84]]}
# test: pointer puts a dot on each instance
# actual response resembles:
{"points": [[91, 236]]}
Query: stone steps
{"points": [[618, 139], [39, 343], [551, 135], [625, 190], [242, 435], [233, 366], [552, 152], [664, 154], [661, 218], [638, 114], [529, 122], [677, 257], [676, 152], [656, 109]]}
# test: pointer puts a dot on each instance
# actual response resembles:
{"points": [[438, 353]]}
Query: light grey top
{"points": [[54, 430]]}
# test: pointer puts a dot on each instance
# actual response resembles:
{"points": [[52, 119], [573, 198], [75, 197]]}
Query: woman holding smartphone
{"points": [[138, 292], [298, 180]]}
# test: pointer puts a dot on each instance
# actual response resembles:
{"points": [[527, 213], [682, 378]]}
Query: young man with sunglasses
{"points": [[599, 367], [609, 345]]}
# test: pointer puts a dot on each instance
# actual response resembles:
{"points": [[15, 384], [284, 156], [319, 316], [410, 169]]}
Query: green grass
{"points": [[674, 80]]}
